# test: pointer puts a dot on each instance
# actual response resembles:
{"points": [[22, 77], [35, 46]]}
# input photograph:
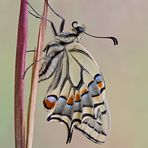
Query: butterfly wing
{"points": [[51, 67], [78, 100]]}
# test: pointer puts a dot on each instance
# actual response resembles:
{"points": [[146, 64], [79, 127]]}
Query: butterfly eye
{"points": [[50, 101], [77, 27]]}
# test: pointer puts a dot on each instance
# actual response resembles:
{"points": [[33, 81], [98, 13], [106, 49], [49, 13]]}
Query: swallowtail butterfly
{"points": [[76, 92]]}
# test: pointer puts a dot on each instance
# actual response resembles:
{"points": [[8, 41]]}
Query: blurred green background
{"points": [[124, 67]]}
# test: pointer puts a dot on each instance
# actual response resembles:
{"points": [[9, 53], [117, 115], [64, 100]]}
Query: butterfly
{"points": [[76, 91]]}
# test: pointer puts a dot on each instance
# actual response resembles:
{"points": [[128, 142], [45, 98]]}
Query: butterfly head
{"points": [[78, 28]]}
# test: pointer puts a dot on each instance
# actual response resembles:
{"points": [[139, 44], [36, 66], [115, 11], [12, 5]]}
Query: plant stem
{"points": [[34, 80], [19, 113]]}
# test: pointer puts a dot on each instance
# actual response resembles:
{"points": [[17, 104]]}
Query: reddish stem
{"points": [[35, 74], [19, 113]]}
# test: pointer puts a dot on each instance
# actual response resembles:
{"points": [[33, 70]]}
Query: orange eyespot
{"points": [[48, 104]]}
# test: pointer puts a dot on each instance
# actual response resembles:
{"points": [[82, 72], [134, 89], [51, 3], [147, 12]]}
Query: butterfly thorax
{"points": [[70, 37], [67, 37]]}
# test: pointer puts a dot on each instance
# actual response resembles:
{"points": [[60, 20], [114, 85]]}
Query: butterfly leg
{"points": [[37, 15], [62, 25], [63, 20]]}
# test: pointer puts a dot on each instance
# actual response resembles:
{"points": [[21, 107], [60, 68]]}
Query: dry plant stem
{"points": [[34, 80], [19, 113]]}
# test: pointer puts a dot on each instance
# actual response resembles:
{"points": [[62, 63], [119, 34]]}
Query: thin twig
{"points": [[19, 113], [34, 81]]}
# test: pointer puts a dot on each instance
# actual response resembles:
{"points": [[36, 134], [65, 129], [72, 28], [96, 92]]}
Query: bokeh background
{"points": [[125, 68]]}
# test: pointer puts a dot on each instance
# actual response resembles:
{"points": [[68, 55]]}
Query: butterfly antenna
{"points": [[115, 41]]}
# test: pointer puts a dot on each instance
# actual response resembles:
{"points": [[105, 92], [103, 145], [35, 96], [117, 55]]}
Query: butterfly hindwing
{"points": [[76, 94]]}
